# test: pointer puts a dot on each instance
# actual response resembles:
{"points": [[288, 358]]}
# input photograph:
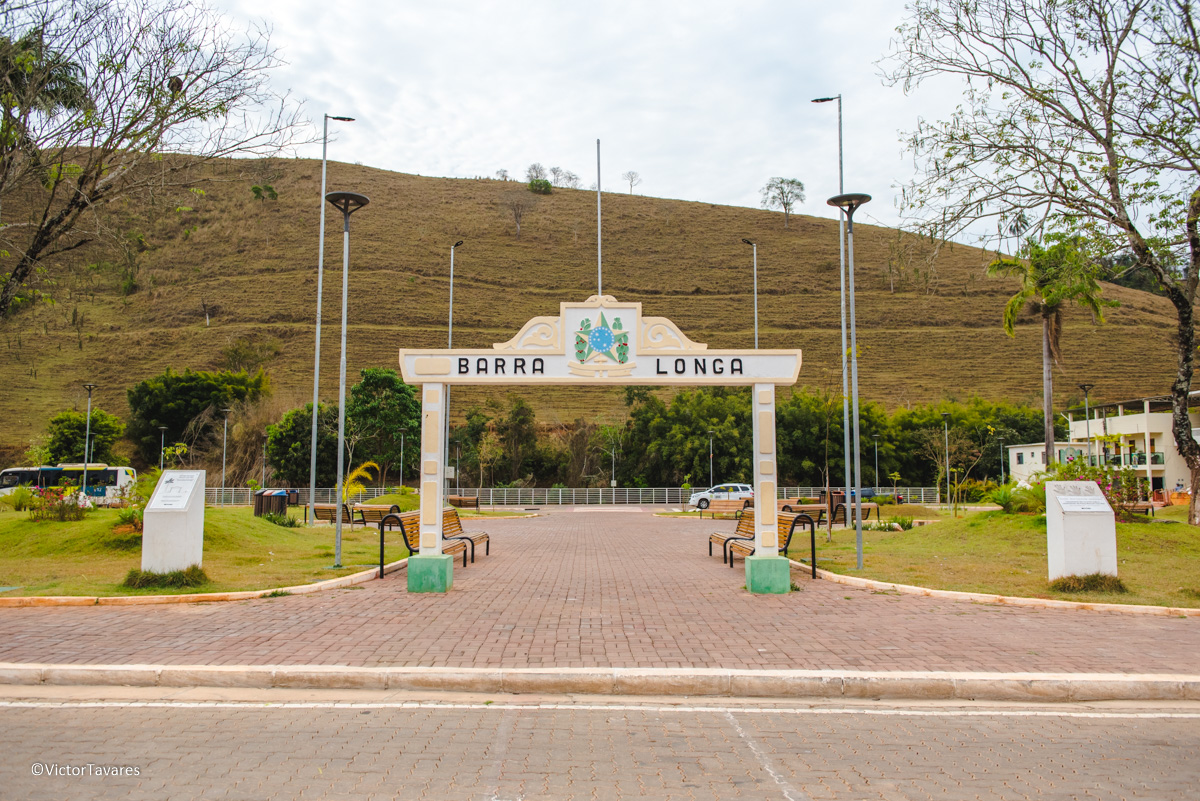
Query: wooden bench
{"points": [[328, 513], [785, 522], [867, 507], [1144, 507], [734, 507], [372, 514], [410, 529], [452, 530], [794, 506], [744, 531], [463, 501]]}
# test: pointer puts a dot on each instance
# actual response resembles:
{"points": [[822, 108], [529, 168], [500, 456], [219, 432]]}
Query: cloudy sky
{"points": [[706, 100]]}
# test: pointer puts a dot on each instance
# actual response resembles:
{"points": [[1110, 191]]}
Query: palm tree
{"points": [[1050, 278]]}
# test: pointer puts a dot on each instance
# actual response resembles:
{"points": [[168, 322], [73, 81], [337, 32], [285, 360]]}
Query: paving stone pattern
{"points": [[597, 589], [591, 753]]}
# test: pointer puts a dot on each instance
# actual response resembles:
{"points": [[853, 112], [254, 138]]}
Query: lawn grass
{"points": [[991, 552], [407, 502], [241, 552]]}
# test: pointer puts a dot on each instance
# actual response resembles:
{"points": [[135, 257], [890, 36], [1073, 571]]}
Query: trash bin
{"points": [[270, 502]]}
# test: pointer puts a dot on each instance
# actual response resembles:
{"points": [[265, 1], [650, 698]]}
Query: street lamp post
{"points": [[458, 466], [224, 449], [347, 203], [264, 469], [87, 436], [403, 431], [1087, 417], [876, 438], [1002, 460], [842, 300], [162, 445], [710, 459], [946, 428], [755, 246], [849, 204], [449, 345], [312, 468]]}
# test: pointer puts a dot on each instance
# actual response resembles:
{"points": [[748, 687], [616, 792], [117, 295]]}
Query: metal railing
{"points": [[553, 496]]}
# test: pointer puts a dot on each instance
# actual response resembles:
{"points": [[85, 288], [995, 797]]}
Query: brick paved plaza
{"points": [[600, 588]]}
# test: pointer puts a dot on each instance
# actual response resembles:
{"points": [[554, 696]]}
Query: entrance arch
{"points": [[600, 341]]}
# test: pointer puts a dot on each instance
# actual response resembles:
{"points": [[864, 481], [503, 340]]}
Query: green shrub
{"points": [[130, 516], [60, 504], [1093, 582], [1005, 497], [884, 500], [194, 576], [973, 490], [905, 523], [1031, 499], [281, 519], [540, 186], [21, 499]]}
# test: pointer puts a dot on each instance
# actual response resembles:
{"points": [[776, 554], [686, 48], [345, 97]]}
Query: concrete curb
{"points": [[1006, 600], [199, 597], [906, 685]]}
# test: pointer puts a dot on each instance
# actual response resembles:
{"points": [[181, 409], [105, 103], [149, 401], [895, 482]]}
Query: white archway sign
{"points": [[598, 342]]}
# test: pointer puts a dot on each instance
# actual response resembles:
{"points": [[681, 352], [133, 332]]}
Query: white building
{"points": [[1133, 433]]}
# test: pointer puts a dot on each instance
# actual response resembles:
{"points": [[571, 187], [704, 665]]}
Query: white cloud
{"points": [[707, 100]]}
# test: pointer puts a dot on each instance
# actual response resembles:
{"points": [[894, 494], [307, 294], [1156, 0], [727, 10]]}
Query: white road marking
{"points": [[789, 792], [720, 710]]}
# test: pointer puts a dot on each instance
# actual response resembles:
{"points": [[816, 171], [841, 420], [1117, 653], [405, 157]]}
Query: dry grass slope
{"points": [[251, 264]]}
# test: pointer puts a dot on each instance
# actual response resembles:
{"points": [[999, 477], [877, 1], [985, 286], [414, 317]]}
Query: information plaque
{"points": [[173, 523], [1081, 530]]}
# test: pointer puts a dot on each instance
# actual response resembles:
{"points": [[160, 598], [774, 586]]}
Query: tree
{"points": [[66, 432], [109, 91], [1050, 278], [1077, 118], [782, 193], [535, 172], [175, 399], [517, 204], [632, 178], [517, 431], [379, 407], [501, 175], [289, 446]]}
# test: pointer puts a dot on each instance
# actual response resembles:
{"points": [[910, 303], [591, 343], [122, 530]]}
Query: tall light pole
{"points": [[1003, 459], [753, 245], [842, 298], [162, 445], [710, 459], [450, 345], [347, 203], [458, 466], [403, 431], [87, 436], [312, 468], [876, 438], [849, 204], [264, 469], [224, 450], [1087, 416], [946, 428]]}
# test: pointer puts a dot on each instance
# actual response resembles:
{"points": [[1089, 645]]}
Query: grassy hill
{"points": [[925, 333]]}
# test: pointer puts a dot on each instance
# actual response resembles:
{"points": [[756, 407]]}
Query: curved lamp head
{"points": [[748, 242], [457, 244], [849, 203], [347, 202], [342, 119], [826, 99]]}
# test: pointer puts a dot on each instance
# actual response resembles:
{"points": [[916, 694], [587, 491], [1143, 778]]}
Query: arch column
{"points": [[430, 570], [766, 570]]}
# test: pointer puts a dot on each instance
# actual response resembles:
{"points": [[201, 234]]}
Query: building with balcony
{"points": [[1133, 433]]}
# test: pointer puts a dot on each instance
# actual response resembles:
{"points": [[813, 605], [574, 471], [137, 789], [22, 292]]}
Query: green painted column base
{"points": [[768, 574], [430, 573]]}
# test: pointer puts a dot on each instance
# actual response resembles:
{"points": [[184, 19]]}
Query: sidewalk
{"points": [[576, 588]]}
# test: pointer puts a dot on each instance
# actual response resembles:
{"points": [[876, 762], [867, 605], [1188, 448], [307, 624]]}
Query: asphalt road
{"points": [[67, 743]]}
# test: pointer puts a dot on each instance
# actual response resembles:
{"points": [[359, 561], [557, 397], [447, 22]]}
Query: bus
{"points": [[103, 481]]}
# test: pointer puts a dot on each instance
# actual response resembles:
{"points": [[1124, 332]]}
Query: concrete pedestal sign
{"points": [[1081, 530], [173, 523]]}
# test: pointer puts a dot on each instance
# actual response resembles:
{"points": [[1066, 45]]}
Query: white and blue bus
{"points": [[102, 481]]}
